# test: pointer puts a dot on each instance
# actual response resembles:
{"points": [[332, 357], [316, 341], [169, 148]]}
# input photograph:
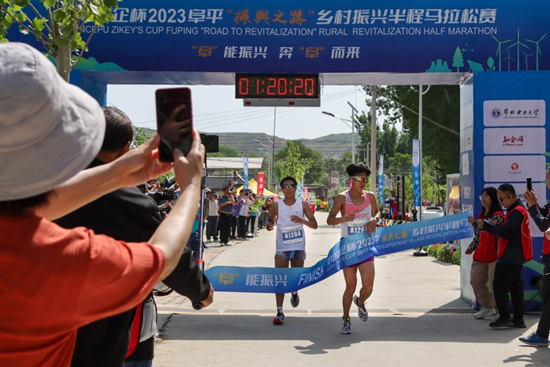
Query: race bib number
{"points": [[292, 235], [356, 226]]}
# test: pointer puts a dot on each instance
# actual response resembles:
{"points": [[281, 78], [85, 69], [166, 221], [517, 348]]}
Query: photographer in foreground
{"points": [[55, 280], [129, 215]]}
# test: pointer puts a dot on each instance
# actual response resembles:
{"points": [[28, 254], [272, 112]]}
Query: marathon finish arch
{"points": [[498, 50], [431, 41]]}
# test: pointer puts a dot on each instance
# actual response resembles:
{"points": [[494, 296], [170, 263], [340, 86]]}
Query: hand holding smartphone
{"points": [[174, 121], [529, 183]]}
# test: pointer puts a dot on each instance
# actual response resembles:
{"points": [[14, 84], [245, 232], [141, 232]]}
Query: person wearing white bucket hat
{"points": [[54, 280]]}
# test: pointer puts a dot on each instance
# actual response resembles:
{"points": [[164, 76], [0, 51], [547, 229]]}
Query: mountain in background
{"points": [[330, 146]]}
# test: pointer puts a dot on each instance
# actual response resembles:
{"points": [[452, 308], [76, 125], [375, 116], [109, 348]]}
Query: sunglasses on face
{"points": [[360, 178], [502, 199], [289, 186]]}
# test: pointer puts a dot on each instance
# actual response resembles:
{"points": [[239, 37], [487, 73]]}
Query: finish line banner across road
{"points": [[349, 251]]}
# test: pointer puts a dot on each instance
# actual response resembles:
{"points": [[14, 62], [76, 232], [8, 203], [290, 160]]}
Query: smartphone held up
{"points": [[529, 183], [174, 121]]}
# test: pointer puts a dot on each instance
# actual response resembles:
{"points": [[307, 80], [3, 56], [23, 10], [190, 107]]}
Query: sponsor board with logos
{"points": [[514, 140], [513, 168], [507, 142], [529, 112]]}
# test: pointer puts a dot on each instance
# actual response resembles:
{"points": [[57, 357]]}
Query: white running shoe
{"points": [[361, 310], [485, 312], [346, 327]]}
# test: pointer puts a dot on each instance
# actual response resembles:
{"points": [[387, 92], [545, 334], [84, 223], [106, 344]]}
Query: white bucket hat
{"points": [[49, 129]]}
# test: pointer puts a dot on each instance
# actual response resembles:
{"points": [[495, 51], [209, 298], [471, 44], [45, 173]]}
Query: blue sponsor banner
{"points": [[381, 180], [316, 36], [416, 172], [349, 251], [245, 170], [300, 191]]}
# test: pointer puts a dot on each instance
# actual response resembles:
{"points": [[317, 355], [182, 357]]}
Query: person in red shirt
{"points": [[484, 248], [56, 280]]}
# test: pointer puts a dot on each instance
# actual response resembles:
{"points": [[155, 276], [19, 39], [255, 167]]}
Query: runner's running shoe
{"points": [[346, 327], [295, 300], [362, 311], [279, 319]]}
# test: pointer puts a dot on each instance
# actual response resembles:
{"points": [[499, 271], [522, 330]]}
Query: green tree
{"points": [[441, 123], [458, 59], [293, 163], [58, 25], [316, 172], [140, 137]]}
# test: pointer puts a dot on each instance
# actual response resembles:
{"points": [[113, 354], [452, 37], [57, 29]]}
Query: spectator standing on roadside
{"points": [[358, 213], [541, 216], [484, 248], [225, 203], [514, 249], [291, 215], [245, 202], [266, 206], [391, 201], [257, 202], [212, 225], [234, 214]]}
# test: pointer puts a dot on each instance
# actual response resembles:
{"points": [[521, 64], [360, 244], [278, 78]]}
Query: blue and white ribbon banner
{"points": [[349, 251]]}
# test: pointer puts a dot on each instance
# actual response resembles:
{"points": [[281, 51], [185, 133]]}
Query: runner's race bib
{"points": [[357, 226], [292, 235]]}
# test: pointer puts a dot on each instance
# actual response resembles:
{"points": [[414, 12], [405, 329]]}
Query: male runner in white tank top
{"points": [[291, 242], [359, 213]]}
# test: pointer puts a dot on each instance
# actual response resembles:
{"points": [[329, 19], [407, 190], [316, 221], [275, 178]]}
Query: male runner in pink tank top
{"points": [[359, 213]]}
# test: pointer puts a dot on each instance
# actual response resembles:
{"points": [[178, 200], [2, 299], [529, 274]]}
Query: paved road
{"points": [[416, 319]]}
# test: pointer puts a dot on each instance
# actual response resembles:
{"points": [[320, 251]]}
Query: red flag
{"points": [[261, 183]]}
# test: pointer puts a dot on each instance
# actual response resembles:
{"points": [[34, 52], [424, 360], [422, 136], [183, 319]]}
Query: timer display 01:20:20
{"points": [[297, 86]]}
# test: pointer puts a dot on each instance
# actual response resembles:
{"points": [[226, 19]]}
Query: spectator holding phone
{"points": [[541, 216], [55, 280], [129, 215], [484, 248]]}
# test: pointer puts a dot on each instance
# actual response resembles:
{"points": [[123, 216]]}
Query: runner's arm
{"points": [[311, 222], [273, 212], [371, 226], [338, 206]]}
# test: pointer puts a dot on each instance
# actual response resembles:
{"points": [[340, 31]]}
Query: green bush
{"points": [[444, 253], [433, 249], [455, 259]]}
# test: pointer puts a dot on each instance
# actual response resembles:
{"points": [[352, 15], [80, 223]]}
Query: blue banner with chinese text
{"points": [[318, 36]]}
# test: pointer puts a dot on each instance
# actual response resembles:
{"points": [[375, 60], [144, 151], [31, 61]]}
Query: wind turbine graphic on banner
{"points": [[518, 43], [537, 52], [499, 51]]}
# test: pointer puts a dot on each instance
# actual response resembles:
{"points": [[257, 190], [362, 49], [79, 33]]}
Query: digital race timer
{"points": [[277, 86]]}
